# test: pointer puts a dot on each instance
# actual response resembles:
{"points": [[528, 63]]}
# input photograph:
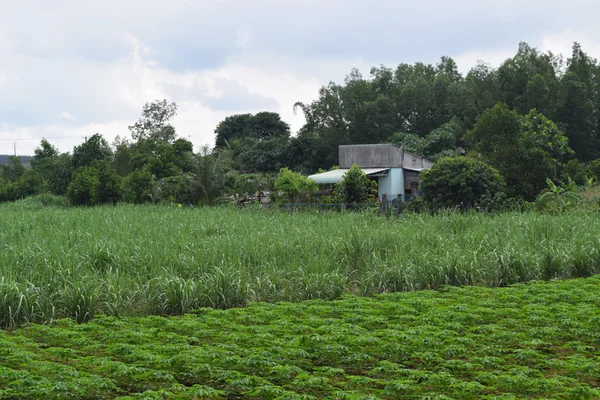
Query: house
{"points": [[395, 169]]}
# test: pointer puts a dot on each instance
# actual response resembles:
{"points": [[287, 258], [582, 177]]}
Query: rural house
{"points": [[396, 170]]}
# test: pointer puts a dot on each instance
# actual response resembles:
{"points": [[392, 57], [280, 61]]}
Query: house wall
{"points": [[391, 185], [414, 161], [370, 156]]}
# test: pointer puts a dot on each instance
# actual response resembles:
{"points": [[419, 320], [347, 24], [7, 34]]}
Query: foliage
{"points": [[95, 148], [355, 188], [293, 184], [524, 149], [142, 260], [441, 142], [460, 182], [557, 198], [13, 171], [594, 168], [461, 343], [263, 125], [154, 123], [137, 187], [93, 185]]}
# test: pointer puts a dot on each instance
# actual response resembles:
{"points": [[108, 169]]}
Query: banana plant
{"points": [[558, 198]]}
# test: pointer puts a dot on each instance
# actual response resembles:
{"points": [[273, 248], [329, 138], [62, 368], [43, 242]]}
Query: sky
{"points": [[72, 68]]}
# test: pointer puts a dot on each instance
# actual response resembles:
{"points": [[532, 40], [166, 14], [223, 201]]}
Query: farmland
{"points": [[137, 261], [535, 340]]}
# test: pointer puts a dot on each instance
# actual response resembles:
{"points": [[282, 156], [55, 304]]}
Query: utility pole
{"points": [[84, 139], [15, 147]]}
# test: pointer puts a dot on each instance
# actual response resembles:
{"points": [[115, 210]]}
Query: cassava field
{"points": [[535, 340], [136, 261]]}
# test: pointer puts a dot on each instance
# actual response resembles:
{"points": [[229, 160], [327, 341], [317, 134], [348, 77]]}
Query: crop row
{"points": [[136, 260]]}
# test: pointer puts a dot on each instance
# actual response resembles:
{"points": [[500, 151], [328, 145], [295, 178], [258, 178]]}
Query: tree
{"points": [[525, 149], [96, 148], [260, 126], [14, 170], [355, 188], [93, 185], [137, 187], [211, 175], [54, 169], [154, 122], [460, 182]]}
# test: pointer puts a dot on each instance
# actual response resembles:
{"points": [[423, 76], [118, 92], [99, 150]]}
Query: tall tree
{"points": [[155, 121], [95, 148], [525, 149], [579, 105], [259, 126]]}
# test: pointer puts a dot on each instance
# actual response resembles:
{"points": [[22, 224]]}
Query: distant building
{"points": [[395, 169], [4, 159]]}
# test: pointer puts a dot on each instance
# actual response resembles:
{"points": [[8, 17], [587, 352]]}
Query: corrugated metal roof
{"points": [[414, 169], [336, 175]]}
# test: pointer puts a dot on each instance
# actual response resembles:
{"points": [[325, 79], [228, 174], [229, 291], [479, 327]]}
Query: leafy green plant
{"points": [[557, 198], [355, 188]]}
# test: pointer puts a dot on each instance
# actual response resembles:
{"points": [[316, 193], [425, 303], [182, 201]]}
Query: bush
{"points": [[137, 187], [461, 182], [355, 188], [594, 168], [93, 185], [293, 184]]}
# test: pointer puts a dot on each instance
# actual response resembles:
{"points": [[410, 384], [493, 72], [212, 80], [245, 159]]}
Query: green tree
{"points": [[13, 170], [355, 188], [95, 148], [460, 182], [53, 168], [260, 126], [525, 149], [93, 185], [211, 183], [154, 123], [137, 187]]}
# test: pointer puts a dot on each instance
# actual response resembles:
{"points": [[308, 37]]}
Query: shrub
{"points": [[355, 188], [93, 185], [293, 184], [137, 187]]}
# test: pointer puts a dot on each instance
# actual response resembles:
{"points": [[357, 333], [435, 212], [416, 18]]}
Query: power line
{"points": [[44, 137]]}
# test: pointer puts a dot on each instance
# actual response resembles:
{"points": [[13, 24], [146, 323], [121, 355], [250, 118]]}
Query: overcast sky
{"points": [[71, 68]]}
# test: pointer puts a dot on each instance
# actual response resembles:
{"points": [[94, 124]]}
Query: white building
{"points": [[396, 170]]}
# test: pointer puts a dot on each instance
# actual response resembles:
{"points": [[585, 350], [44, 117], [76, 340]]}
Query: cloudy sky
{"points": [[71, 68]]}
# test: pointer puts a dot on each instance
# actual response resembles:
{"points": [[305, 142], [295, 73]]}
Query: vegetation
{"points": [[292, 184], [527, 341], [355, 188], [534, 117], [461, 182], [139, 260]]}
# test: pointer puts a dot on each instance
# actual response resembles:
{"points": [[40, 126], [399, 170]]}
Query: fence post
{"points": [[383, 204], [343, 207]]}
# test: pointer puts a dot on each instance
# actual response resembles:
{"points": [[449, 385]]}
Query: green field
{"points": [[136, 260], [538, 340]]}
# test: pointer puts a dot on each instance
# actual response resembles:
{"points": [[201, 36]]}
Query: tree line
{"points": [[536, 116]]}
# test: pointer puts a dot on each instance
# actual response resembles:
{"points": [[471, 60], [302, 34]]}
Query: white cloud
{"points": [[66, 115], [71, 68]]}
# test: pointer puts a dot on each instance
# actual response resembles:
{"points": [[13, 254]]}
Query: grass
{"points": [[136, 260], [537, 340]]}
